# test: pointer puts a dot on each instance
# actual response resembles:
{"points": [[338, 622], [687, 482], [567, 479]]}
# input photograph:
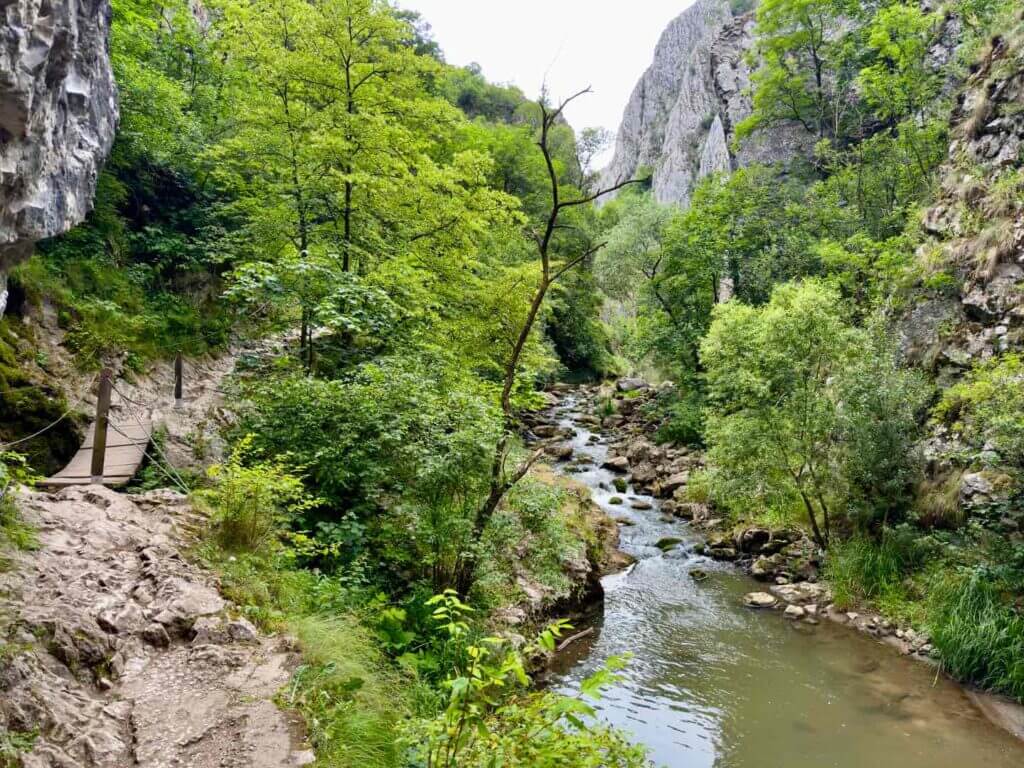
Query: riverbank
{"points": [[783, 559]]}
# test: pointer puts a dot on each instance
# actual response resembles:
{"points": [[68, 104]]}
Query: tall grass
{"points": [[878, 571], [979, 634], [351, 697]]}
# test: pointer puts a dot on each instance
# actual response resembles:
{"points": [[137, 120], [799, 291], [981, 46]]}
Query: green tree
{"points": [[560, 248], [805, 411], [805, 72], [340, 159]]}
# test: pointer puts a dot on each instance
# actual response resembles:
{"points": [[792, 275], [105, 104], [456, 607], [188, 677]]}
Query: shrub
{"points": [[491, 720], [13, 472], [252, 504], [808, 413], [684, 417], [987, 407]]}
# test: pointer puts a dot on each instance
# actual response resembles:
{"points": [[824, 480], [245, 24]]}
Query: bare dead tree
{"points": [[502, 479]]}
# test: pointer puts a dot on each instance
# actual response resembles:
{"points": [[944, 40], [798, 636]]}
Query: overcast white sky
{"points": [[571, 43]]}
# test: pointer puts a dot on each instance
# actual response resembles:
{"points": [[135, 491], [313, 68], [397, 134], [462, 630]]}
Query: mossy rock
{"points": [[620, 484], [667, 543], [27, 406], [615, 500]]}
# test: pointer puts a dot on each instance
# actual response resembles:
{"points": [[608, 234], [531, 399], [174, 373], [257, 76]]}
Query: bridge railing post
{"points": [[178, 375], [99, 438]]}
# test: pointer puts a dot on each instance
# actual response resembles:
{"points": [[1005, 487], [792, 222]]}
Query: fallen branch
{"points": [[570, 640]]}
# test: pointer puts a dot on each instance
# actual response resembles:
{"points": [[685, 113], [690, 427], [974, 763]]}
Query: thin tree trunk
{"points": [[500, 482]]}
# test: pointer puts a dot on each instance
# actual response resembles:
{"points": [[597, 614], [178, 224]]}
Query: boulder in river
{"points": [[560, 451], [667, 543], [794, 612], [617, 464], [759, 600], [752, 540], [673, 483], [803, 593]]}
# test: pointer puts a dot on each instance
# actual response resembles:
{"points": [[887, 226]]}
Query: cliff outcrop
{"points": [[680, 120], [58, 114]]}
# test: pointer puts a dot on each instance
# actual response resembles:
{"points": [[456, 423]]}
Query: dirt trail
{"points": [[120, 652], [114, 648]]}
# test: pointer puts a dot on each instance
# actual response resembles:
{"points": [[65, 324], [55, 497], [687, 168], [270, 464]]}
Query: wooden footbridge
{"points": [[116, 444]]}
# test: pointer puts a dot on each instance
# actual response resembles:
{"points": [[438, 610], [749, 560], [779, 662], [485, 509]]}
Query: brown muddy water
{"points": [[715, 685]]}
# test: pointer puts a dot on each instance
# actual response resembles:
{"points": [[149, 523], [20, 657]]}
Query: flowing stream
{"points": [[712, 683]]}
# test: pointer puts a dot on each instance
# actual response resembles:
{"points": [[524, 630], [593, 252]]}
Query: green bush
{"points": [[808, 413], [683, 417], [987, 407], [13, 472], [491, 719], [252, 505]]}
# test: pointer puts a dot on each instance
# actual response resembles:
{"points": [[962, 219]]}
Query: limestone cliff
{"points": [[58, 113], [681, 117]]}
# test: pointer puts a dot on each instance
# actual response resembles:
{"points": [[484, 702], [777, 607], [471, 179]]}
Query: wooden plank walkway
{"points": [[127, 440]]}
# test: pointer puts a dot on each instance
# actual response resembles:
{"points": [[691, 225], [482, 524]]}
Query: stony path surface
{"points": [[120, 652]]}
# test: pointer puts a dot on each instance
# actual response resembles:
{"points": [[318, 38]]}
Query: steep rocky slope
{"points": [[975, 228], [58, 113], [681, 118]]}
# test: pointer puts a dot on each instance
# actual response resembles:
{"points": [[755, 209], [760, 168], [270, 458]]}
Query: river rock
{"points": [[794, 612], [617, 464], [673, 483], [802, 593], [752, 540], [759, 600], [559, 451], [631, 385], [765, 568], [641, 504]]}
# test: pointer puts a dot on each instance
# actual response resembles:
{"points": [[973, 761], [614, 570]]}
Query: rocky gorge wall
{"points": [[975, 228], [680, 120], [58, 115]]}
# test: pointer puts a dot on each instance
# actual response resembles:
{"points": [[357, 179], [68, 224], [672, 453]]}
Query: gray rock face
{"points": [[681, 118], [58, 114]]}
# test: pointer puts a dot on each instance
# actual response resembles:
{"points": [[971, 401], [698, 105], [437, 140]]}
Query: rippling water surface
{"points": [[713, 684]]}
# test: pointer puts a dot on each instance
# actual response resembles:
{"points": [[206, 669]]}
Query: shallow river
{"points": [[712, 683]]}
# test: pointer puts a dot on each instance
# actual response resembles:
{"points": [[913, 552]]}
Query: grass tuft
{"points": [[979, 634]]}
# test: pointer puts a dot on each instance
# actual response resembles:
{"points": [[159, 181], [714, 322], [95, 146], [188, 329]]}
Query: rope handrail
{"points": [[169, 473], [140, 445], [176, 478]]}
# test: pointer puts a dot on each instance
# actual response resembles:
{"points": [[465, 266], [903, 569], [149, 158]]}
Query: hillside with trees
{"points": [[407, 265]]}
